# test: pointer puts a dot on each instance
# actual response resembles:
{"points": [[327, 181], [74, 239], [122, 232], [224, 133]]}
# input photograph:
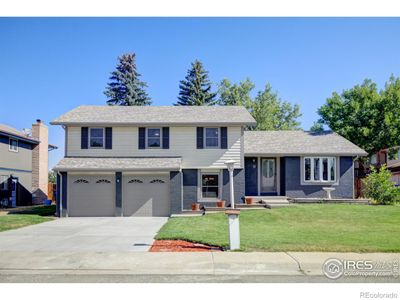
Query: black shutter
{"points": [[224, 138], [142, 138], [200, 138], [108, 138], [84, 137], [165, 137]]}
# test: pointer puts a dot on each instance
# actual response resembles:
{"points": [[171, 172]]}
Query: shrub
{"points": [[379, 187]]}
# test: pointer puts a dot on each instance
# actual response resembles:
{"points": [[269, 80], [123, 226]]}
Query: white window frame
{"points": [[104, 137], [210, 199], [312, 165], [4, 184], [218, 138], [147, 137], [9, 145]]}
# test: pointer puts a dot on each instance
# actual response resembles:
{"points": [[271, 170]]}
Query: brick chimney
{"points": [[40, 162]]}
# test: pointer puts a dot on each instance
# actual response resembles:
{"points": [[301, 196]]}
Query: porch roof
{"points": [[118, 164], [298, 142]]}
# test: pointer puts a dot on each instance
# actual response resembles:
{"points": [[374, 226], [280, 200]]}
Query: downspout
{"points": [[353, 176], [181, 173], [61, 206]]}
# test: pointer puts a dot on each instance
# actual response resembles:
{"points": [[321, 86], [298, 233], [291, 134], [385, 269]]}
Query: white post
{"points": [[233, 214]]}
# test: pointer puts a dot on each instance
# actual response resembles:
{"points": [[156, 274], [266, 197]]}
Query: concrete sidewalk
{"points": [[200, 263]]}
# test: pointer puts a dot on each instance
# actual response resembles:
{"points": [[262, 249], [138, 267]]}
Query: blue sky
{"points": [[51, 65]]}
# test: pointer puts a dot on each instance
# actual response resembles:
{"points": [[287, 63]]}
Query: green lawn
{"points": [[35, 215], [319, 227]]}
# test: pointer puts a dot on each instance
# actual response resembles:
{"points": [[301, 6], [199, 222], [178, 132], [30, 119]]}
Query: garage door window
{"points": [[103, 181], [80, 181], [135, 181], [157, 181]]}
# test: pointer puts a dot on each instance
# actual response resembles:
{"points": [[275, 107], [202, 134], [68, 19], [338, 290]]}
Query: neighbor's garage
{"points": [[91, 195], [146, 195]]}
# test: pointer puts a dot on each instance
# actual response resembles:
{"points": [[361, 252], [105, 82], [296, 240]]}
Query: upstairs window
{"points": [[211, 137], [96, 137], [153, 137], [13, 145], [319, 169]]}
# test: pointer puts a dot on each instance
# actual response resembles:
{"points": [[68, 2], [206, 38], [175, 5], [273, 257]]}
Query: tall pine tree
{"points": [[125, 87], [196, 88]]}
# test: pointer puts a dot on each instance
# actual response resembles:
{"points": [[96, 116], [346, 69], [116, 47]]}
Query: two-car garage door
{"points": [[142, 195]]}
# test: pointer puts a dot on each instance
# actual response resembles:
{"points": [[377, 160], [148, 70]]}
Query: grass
{"points": [[319, 227], [31, 216]]}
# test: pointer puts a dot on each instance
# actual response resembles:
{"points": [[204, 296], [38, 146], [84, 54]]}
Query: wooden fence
{"points": [[51, 191]]}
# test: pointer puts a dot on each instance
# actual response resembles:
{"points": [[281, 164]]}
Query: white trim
{"points": [[146, 137], [200, 173], [312, 165], [9, 145], [205, 138], [89, 137]]}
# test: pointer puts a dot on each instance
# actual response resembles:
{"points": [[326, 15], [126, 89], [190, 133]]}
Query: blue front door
{"points": [[251, 175]]}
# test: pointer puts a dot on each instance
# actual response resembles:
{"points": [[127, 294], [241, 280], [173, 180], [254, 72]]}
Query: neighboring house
{"points": [[393, 165], [157, 161], [24, 164]]}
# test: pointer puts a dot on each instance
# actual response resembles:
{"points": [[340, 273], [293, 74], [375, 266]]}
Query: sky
{"points": [[49, 66]]}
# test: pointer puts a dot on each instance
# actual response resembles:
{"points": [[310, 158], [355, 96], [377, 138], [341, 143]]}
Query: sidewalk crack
{"points": [[297, 262], [213, 262]]}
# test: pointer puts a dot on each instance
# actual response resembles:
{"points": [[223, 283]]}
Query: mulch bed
{"points": [[181, 246]]}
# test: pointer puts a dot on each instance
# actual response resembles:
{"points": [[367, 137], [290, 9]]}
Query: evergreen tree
{"points": [[125, 87], [196, 88]]}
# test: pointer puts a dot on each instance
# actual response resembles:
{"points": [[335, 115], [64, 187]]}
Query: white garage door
{"points": [[91, 195], [146, 195]]}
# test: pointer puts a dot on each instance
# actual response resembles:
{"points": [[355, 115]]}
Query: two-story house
{"points": [[157, 161], [24, 165]]}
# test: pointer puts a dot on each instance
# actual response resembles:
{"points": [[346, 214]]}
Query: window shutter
{"points": [[142, 138], [84, 137], [200, 138], [165, 137], [224, 138], [108, 138]]}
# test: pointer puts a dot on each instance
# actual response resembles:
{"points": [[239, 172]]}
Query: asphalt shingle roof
{"points": [[118, 164], [298, 142], [179, 115], [17, 133]]}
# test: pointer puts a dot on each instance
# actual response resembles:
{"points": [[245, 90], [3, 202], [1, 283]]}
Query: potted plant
{"points": [[249, 200], [221, 203], [195, 206]]}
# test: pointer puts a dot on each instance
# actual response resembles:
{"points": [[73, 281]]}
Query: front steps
{"points": [[272, 201]]}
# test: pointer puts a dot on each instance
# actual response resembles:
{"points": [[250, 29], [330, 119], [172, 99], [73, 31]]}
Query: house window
{"points": [[153, 137], [96, 137], [3, 183], [319, 169], [211, 137], [210, 186], [13, 145]]}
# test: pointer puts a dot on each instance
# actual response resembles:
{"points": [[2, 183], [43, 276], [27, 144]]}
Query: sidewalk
{"points": [[162, 263]]}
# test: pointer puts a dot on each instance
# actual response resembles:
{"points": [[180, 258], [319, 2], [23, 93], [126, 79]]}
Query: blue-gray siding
{"points": [[189, 187], [239, 185], [294, 188], [175, 191]]}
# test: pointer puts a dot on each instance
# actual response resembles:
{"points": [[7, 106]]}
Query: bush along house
{"points": [[158, 161]]}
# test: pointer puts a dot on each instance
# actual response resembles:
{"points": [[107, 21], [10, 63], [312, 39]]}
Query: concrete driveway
{"points": [[84, 235]]}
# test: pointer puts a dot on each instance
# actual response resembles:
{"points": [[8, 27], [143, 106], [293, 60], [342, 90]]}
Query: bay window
{"points": [[319, 169]]}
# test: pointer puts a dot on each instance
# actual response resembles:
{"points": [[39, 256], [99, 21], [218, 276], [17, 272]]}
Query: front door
{"points": [[268, 176]]}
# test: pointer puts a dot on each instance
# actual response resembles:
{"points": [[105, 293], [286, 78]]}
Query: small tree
{"points": [[196, 88], [379, 187], [317, 127], [125, 87], [52, 177]]}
